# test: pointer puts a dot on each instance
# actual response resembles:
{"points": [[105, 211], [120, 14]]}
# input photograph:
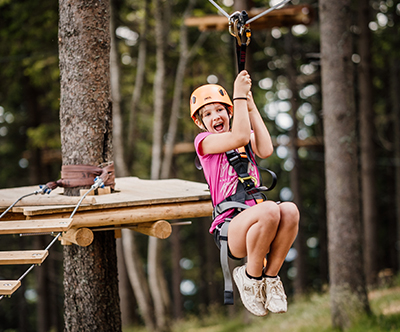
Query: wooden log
{"points": [[23, 257], [7, 287], [35, 226], [80, 236], [160, 229], [139, 214]]}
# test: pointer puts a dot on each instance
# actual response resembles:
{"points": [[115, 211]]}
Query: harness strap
{"points": [[228, 205], [241, 56], [228, 290]]}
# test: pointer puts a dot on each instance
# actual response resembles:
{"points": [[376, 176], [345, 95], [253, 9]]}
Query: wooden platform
{"points": [[141, 205], [23, 257], [134, 201], [35, 226], [7, 287]]}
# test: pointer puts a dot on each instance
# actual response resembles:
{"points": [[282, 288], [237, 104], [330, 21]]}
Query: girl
{"points": [[261, 229]]}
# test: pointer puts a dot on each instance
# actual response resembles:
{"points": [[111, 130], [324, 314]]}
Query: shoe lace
{"points": [[276, 288], [259, 291]]}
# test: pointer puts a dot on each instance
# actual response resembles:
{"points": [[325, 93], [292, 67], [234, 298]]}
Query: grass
{"points": [[309, 314]]}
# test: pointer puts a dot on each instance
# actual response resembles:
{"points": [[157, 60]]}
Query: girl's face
{"points": [[215, 118]]}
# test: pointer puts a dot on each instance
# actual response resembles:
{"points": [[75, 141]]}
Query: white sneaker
{"points": [[252, 292], [276, 297]]}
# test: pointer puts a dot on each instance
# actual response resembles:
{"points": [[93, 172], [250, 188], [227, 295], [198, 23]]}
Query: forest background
{"points": [[285, 67]]}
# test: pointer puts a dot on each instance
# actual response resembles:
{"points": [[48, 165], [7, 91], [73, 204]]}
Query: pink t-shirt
{"points": [[221, 177]]}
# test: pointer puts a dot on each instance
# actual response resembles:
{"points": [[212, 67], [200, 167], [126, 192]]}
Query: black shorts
{"points": [[216, 233]]}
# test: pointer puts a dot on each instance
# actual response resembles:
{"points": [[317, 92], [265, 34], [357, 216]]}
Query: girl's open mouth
{"points": [[219, 127]]}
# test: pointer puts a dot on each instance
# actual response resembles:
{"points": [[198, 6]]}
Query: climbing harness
{"points": [[106, 175], [247, 189]]}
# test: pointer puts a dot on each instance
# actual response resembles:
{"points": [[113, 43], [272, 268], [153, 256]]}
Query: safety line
{"points": [[220, 9], [98, 182], [284, 2], [34, 193]]}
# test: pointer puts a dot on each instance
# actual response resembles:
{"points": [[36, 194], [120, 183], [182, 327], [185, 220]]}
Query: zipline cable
{"points": [[220, 9], [223, 12], [282, 3], [98, 183]]}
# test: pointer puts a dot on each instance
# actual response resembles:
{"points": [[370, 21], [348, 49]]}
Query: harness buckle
{"points": [[250, 177]]}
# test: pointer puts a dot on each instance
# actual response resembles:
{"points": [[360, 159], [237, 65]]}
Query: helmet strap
{"points": [[202, 122]]}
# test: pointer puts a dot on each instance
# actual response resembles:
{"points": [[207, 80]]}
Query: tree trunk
{"points": [[118, 130], [184, 57], [158, 91], [42, 281], [367, 148], [90, 273], [137, 91], [127, 297], [347, 282], [300, 282], [155, 273], [137, 279], [177, 275], [395, 103]]}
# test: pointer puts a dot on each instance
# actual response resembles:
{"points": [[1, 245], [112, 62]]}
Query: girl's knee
{"points": [[270, 212], [289, 213]]}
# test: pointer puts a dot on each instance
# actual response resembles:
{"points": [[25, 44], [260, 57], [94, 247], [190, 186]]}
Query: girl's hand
{"points": [[251, 105], [242, 84]]}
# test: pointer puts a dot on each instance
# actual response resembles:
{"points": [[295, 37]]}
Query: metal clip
{"points": [[238, 25]]}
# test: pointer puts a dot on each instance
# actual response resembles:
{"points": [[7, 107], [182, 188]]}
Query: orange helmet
{"points": [[207, 94]]}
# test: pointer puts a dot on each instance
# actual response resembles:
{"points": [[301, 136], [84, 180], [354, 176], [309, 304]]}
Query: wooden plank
{"points": [[7, 287], [287, 16], [133, 192], [10, 195], [23, 257], [35, 226], [98, 191]]}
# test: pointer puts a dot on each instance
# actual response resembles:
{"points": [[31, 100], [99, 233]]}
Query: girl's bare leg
{"points": [[251, 233], [285, 236]]}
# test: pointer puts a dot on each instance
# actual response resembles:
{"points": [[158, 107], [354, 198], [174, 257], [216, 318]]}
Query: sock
{"points": [[266, 276], [251, 277]]}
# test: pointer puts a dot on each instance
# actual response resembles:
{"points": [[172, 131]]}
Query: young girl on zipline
{"points": [[263, 228]]}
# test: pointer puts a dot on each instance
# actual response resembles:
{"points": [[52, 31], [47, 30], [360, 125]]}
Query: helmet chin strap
{"points": [[202, 122]]}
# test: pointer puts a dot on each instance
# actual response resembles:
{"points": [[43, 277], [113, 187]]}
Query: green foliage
{"points": [[29, 93], [308, 314], [44, 136]]}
